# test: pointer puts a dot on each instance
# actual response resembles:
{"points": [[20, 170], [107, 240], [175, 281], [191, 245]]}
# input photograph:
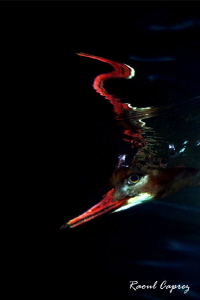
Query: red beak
{"points": [[104, 206]]}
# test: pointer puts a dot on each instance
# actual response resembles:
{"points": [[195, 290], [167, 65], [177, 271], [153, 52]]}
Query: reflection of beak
{"points": [[104, 206]]}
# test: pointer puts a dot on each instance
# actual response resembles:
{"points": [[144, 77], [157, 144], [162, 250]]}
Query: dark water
{"points": [[76, 149]]}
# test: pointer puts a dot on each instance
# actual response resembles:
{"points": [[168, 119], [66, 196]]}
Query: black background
{"points": [[71, 143]]}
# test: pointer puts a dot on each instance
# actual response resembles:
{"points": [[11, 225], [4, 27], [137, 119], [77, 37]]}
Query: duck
{"points": [[139, 176]]}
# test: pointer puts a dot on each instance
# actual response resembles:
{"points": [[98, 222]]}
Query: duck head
{"points": [[131, 188]]}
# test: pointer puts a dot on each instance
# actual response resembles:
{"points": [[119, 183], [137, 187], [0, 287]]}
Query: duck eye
{"points": [[133, 179]]}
